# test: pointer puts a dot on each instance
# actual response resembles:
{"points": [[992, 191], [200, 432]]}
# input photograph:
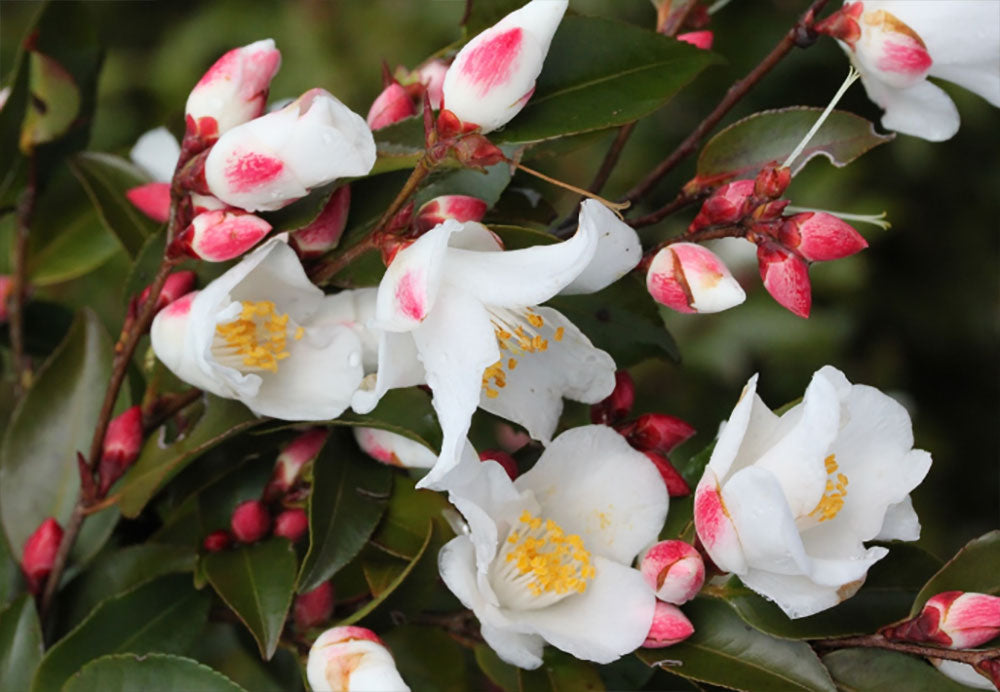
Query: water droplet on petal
{"points": [[354, 359]]}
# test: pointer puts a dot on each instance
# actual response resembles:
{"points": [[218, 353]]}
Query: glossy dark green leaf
{"points": [[518, 237], [38, 471], [157, 464], [12, 162], [105, 178], [743, 148], [145, 264], [399, 145], [55, 101], [80, 248], [348, 498], [257, 582], [406, 412], [501, 674], [149, 673], [10, 575], [601, 73], [428, 659], [227, 648], [873, 669], [976, 567], [163, 616], [726, 651], [20, 643], [402, 531], [486, 185], [560, 672]]}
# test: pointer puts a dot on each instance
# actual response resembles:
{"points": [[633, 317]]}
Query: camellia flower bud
{"points": [[670, 626], [657, 432], [727, 205], [217, 541], [291, 524], [690, 278], [772, 181], [325, 230], [956, 619], [786, 277], [313, 607], [352, 659], [508, 462], [122, 443], [152, 199], [675, 570], [277, 158], [819, 237], [217, 236], [698, 39], [432, 75], [462, 208], [40, 553], [618, 403], [391, 106], [250, 521], [393, 449], [292, 458], [494, 75], [676, 485], [176, 285], [233, 91], [6, 286]]}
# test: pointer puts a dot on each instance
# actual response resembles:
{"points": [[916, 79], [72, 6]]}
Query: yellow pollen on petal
{"points": [[834, 493], [558, 336], [512, 363], [258, 337], [556, 562]]}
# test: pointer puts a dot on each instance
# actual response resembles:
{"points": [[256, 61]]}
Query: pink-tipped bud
{"points": [[352, 659], [786, 277], [461, 208], [675, 570], [506, 460], [122, 443], [820, 237], [669, 627], [493, 76], [956, 619], [698, 39], [324, 232], [391, 106], [177, 284], [727, 205], [250, 521], [772, 181], [619, 402], [233, 91], [217, 236], [217, 541], [202, 203], [657, 432], [393, 449], [843, 24], [689, 278], [295, 455], [6, 288], [40, 553], [291, 524], [314, 607], [152, 199], [676, 485], [431, 75]]}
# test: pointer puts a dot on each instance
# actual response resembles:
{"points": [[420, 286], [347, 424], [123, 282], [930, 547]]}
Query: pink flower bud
{"points": [[394, 450], [40, 553], [314, 607], [202, 203], [234, 90], [698, 39], [689, 278], [431, 75], [820, 237], [217, 236], [291, 524], [883, 46], [843, 24], [461, 208], [250, 521], [772, 181], [176, 285], [277, 158], [152, 199], [325, 230], [676, 485], [727, 205], [670, 626], [657, 432], [391, 106], [956, 619], [494, 75], [292, 458], [786, 277], [217, 541], [122, 443], [618, 403], [6, 287], [352, 659], [675, 570], [506, 460]]}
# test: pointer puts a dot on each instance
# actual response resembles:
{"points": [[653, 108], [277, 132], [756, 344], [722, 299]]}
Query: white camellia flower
{"points": [[787, 502], [547, 558], [394, 449], [352, 659], [461, 315], [897, 44], [262, 333]]}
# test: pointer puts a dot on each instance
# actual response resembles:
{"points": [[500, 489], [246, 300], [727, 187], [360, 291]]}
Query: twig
{"points": [[174, 405], [679, 202], [877, 641], [323, 272], [25, 210], [420, 172]]}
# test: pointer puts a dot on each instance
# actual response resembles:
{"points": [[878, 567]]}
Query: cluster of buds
{"points": [[39, 554], [352, 658], [404, 91], [410, 223]]}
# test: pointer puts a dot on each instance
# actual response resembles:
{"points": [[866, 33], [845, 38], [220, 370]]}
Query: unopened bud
{"points": [[786, 277], [657, 432], [217, 236], [431, 75], [956, 619], [177, 284], [820, 237], [314, 607], [216, 541], [669, 627], [324, 232], [842, 24], [475, 151], [393, 449], [6, 288], [250, 521], [508, 462], [675, 570], [292, 458], [202, 203], [690, 278], [727, 205], [619, 402], [40, 553], [152, 199], [772, 181], [122, 443], [698, 39], [391, 106], [676, 485], [291, 524], [461, 208], [352, 659]]}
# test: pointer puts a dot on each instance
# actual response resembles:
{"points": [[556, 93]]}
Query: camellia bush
{"points": [[296, 397]]}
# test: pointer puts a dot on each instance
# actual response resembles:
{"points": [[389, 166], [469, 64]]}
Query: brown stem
{"points": [[420, 172], [677, 203], [611, 158], [322, 273], [736, 92], [877, 641], [170, 408], [24, 211]]}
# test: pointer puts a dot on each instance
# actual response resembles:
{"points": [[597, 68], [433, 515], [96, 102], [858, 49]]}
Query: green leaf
{"points": [[157, 464], [976, 567], [149, 673], [726, 651], [20, 643], [145, 264], [482, 14], [163, 615], [10, 574], [348, 497], [406, 412], [399, 146], [873, 669], [428, 659], [227, 648], [601, 73], [501, 674], [105, 178], [402, 532], [12, 168], [55, 101], [77, 250], [560, 672], [486, 185], [746, 146], [38, 470], [257, 582]]}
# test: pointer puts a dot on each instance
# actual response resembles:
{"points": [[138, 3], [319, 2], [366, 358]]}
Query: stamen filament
{"points": [[852, 77]]}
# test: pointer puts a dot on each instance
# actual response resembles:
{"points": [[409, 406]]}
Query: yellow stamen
{"points": [[557, 563], [258, 335], [833, 498]]}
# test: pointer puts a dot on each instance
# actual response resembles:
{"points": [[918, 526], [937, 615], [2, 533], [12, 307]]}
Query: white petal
{"points": [[922, 110], [733, 430], [330, 141], [618, 249], [457, 565], [900, 523], [156, 152], [592, 483], [353, 309], [398, 366], [962, 673], [715, 527], [521, 650], [796, 595]]}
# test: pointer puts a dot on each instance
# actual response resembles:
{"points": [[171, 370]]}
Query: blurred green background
{"points": [[915, 315]]}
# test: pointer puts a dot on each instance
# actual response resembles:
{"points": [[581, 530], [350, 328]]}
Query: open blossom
{"points": [[787, 502], [547, 558], [461, 315], [352, 659], [493, 76], [263, 334]]}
